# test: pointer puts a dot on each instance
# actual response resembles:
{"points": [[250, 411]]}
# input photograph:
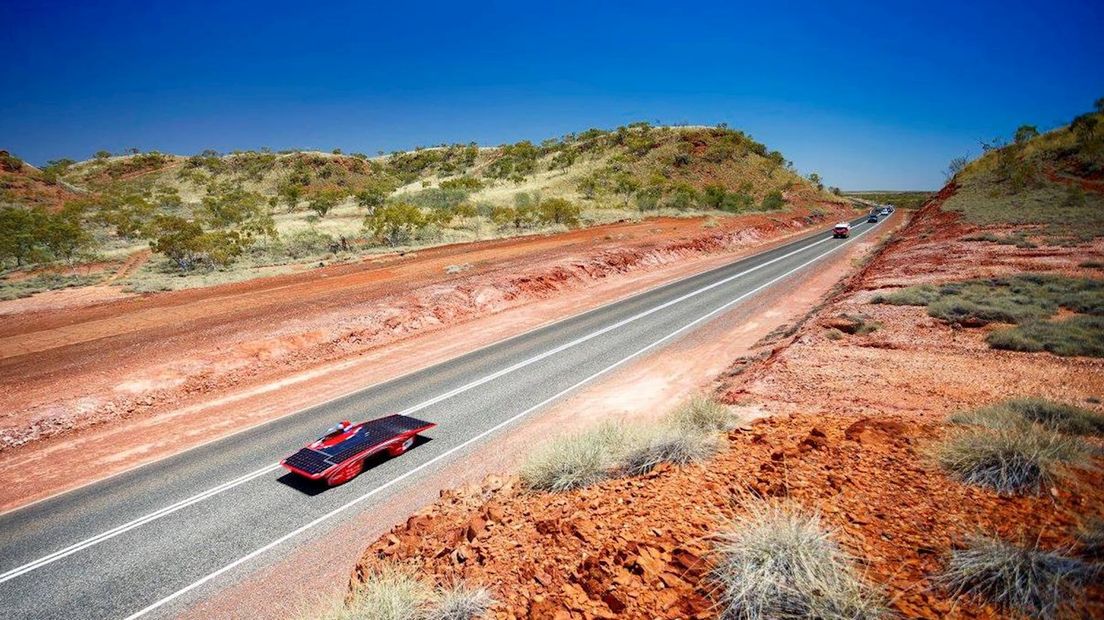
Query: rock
{"points": [[476, 526], [615, 601]]}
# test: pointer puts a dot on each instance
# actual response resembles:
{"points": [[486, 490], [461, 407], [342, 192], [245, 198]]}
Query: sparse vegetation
{"points": [[703, 414], [575, 461], [395, 592], [668, 444], [1020, 579], [1058, 417], [689, 434], [1025, 300], [778, 561], [1078, 335], [1010, 459]]}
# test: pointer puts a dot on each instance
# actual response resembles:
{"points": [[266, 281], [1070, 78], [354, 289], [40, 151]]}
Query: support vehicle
{"points": [[841, 230], [338, 456]]}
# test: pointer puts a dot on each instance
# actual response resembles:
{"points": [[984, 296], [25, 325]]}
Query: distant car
{"points": [[338, 456], [873, 218], [841, 230], [885, 211]]}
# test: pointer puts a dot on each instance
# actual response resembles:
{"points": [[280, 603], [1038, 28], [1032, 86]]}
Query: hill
{"points": [[220, 217], [23, 184]]}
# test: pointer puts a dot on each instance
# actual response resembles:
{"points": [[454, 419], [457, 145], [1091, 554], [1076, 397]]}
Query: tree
{"points": [[321, 202], [395, 223], [773, 201], [1025, 133], [626, 185], [101, 154], [187, 244], [956, 165], [290, 194], [371, 198], [559, 211], [19, 230], [63, 233], [647, 198], [229, 207], [814, 178], [714, 195]]}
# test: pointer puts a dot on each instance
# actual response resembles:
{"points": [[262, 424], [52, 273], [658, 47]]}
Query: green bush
{"points": [[773, 201], [678, 446]]}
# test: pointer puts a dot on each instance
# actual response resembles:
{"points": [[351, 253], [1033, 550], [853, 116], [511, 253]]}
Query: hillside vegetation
{"points": [[1049, 187], [202, 214]]}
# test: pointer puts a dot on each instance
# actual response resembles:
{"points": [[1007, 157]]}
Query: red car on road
{"points": [[841, 230], [338, 456]]}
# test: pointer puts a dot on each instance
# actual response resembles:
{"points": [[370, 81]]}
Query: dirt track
{"points": [[211, 360]]}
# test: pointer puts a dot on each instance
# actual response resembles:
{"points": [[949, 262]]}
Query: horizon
{"points": [[855, 93]]}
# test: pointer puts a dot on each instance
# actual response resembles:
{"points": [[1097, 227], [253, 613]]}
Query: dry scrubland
{"points": [[934, 448], [213, 218]]}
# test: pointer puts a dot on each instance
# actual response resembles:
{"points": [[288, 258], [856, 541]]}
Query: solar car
{"points": [[338, 456]]}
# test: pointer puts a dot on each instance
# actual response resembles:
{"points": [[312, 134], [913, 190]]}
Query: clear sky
{"points": [[868, 94]]}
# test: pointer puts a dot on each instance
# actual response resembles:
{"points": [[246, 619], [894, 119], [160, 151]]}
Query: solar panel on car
{"points": [[310, 461], [372, 433]]}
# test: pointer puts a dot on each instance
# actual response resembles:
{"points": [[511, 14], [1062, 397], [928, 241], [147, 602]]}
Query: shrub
{"points": [[773, 201], [678, 446], [777, 561], [558, 211], [575, 461], [1078, 335], [703, 414], [1010, 460], [1025, 580], [395, 223]]}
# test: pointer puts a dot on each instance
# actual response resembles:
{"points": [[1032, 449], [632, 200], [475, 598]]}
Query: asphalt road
{"points": [[143, 542]]}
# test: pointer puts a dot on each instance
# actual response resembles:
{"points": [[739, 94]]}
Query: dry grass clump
{"points": [[1013, 459], [777, 561], [395, 592], [704, 414], [459, 602], [1091, 537], [1025, 580], [575, 461], [1058, 417], [689, 434], [669, 445]]}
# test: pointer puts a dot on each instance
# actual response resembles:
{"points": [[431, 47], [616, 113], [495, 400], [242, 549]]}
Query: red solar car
{"points": [[338, 456]]}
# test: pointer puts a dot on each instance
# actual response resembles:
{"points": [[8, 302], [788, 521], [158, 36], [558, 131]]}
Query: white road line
{"points": [[480, 436], [153, 516]]}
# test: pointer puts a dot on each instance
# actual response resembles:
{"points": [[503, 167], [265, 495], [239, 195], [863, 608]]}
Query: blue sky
{"points": [[870, 95]]}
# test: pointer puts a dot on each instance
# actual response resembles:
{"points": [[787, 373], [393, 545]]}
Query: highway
{"points": [[147, 541]]}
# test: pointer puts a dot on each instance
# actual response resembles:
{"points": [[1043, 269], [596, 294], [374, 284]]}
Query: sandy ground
{"points": [[851, 425], [641, 391], [79, 383]]}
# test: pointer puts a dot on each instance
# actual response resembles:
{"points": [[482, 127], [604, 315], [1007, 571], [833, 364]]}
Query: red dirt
{"points": [[215, 360], [638, 547]]}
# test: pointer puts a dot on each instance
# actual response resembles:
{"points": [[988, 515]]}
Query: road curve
{"points": [[140, 543]]}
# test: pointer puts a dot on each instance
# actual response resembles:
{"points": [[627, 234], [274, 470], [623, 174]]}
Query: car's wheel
{"points": [[399, 448]]}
